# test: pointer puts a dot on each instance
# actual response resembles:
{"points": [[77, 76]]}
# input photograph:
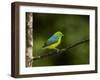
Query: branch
{"points": [[60, 51]]}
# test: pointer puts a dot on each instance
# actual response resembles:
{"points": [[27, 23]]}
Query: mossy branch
{"points": [[60, 51]]}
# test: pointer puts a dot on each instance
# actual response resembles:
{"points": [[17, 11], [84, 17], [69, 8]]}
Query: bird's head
{"points": [[59, 34]]}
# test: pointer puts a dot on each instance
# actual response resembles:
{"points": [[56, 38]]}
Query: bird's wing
{"points": [[51, 40]]}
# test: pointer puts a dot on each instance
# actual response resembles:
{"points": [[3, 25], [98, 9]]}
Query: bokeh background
{"points": [[75, 29]]}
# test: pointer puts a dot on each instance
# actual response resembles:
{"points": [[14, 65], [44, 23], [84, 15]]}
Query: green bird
{"points": [[54, 41]]}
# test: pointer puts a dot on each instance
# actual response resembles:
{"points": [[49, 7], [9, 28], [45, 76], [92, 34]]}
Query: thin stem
{"points": [[61, 51]]}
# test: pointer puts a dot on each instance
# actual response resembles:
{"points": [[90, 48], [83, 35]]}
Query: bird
{"points": [[54, 41]]}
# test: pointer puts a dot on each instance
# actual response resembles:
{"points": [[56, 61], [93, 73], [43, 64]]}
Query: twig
{"points": [[60, 52]]}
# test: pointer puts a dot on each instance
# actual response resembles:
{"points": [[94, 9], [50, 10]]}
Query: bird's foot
{"points": [[57, 50]]}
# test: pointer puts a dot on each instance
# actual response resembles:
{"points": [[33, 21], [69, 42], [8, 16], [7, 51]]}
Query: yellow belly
{"points": [[52, 46]]}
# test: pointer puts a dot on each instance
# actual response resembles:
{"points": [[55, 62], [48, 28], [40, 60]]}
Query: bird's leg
{"points": [[57, 50]]}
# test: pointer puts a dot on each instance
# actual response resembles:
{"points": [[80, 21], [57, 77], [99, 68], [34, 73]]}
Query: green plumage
{"points": [[54, 40]]}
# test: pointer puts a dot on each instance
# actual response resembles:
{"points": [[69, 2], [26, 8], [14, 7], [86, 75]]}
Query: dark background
{"points": [[75, 29]]}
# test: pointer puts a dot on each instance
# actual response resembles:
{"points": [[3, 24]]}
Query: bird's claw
{"points": [[57, 50]]}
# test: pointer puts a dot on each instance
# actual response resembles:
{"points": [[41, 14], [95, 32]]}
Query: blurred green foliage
{"points": [[75, 29]]}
